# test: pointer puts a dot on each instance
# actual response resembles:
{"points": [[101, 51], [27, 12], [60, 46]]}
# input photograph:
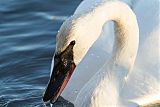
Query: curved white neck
{"points": [[86, 25], [90, 25]]}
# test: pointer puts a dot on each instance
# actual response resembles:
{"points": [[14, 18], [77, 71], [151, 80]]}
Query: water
{"points": [[27, 41]]}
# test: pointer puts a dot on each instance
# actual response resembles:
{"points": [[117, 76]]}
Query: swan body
{"points": [[124, 52], [76, 83], [120, 80]]}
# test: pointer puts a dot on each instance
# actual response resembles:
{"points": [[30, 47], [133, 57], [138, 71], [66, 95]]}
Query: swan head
{"points": [[70, 50], [73, 29]]}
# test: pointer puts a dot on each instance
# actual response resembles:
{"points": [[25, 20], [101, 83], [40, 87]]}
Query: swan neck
{"points": [[91, 26]]}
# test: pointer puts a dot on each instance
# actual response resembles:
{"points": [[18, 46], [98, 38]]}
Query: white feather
{"points": [[91, 87]]}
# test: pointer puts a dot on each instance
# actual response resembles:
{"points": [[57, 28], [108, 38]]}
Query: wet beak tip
{"points": [[44, 99]]}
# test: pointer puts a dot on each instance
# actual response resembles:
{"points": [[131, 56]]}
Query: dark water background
{"points": [[27, 40]]}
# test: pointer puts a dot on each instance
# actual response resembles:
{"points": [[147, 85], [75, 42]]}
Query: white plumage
{"points": [[103, 77]]}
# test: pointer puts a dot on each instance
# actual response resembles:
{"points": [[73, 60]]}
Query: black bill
{"points": [[63, 68]]}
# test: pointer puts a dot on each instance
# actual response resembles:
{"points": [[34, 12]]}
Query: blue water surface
{"points": [[27, 41]]}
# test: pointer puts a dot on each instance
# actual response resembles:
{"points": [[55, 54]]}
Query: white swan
{"points": [[108, 86]]}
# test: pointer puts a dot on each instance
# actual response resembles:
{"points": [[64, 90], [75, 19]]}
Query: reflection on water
{"points": [[27, 41]]}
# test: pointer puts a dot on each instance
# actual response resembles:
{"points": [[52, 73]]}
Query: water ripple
{"points": [[27, 37]]}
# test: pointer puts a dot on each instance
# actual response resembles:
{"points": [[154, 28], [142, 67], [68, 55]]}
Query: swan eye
{"points": [[73, 42]]}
